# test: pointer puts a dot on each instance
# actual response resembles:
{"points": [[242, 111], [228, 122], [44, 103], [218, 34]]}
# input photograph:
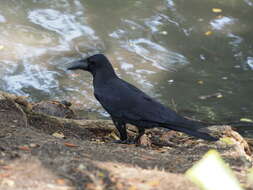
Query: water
{"points": [[176, 51]]}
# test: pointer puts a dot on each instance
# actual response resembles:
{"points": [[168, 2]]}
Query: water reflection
{"points": [[250, 62], [2, 19], [28, 76], [63, 24], [221, 22], [164, 47]]}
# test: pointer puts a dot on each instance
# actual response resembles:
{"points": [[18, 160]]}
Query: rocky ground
{"points": [[43, 147]]}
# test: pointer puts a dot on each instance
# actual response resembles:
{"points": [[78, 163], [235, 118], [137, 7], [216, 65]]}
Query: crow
{"points": [[127, 104]]}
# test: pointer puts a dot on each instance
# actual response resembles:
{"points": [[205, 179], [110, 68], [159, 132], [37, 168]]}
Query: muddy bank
{"points": [[41, 151]]}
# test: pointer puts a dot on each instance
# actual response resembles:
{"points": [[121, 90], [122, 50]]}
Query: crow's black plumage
{"points": [[127, 104]]}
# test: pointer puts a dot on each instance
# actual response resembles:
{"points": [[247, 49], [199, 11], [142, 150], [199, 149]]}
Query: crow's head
{"points": [[92, 64]]}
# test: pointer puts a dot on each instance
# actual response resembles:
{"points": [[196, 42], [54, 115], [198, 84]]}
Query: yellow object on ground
{"points": [[212, 173]]}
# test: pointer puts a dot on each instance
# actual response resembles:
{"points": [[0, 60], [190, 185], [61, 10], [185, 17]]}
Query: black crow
{"points": [[127, 104]]}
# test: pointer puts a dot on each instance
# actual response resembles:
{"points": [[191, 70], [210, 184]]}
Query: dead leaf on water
{"points": [[208, 33], [216, 10], [200, 82]]}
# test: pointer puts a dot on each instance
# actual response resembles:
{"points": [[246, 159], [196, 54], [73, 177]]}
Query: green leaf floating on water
{"points": [[212, 173], [246, 120]]}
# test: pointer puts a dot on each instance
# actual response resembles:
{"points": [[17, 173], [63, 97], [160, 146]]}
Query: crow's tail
{"points": [[192, 127], [192, 132]]}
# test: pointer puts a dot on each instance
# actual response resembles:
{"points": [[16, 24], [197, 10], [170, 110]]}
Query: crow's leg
{"points": [[121, 126], [141, 132]]}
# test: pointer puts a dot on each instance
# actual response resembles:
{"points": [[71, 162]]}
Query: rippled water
{"points": [[176, 51]]}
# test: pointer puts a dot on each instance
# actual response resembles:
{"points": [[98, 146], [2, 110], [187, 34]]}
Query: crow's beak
{"points": [[81, 64]]}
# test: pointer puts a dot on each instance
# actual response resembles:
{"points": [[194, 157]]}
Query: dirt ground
{"points": [[38, 152]]}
